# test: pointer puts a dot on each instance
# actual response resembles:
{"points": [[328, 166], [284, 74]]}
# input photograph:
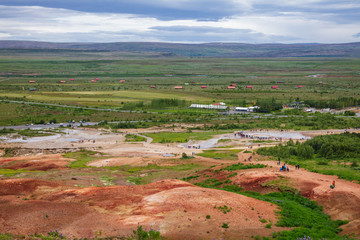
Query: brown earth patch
{"points": [[254, 183], [175, 207], [341, 203], [178, 209], [23, 186], [35, 162]]}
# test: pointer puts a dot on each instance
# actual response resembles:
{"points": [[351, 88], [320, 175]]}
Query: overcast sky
{"points": [[182, 21]]}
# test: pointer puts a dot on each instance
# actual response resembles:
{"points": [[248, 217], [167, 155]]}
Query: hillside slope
{"points": [[233, 50]]}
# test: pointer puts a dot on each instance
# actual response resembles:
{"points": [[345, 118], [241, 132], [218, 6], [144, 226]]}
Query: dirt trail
{"points": [[342, 202]]}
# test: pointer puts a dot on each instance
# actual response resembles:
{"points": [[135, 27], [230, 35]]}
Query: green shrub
{"points": [[140, 234], [224, 209], [349, 113], [225, 225], [185, 156], [190, 177]]}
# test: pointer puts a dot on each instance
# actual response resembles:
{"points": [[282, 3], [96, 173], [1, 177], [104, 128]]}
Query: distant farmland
{"points": [[146, 79]]}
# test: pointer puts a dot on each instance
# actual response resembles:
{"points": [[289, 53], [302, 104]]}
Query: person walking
{"points": [[332, 186]]}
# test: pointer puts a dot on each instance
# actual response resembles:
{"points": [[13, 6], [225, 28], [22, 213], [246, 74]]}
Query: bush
{"points": [[305, 151], [349, 113], [185, 156], [140, 234], [225, 225], [346, 145]]}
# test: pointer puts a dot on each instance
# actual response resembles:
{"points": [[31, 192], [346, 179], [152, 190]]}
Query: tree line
{"points": [[335, 146]]}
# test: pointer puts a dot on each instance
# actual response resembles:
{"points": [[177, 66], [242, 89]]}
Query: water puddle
{"points": [[263, 135]]}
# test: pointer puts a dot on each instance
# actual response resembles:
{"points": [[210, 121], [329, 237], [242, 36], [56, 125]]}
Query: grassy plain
{"points": [[220, 154], [339, 77], [321, 79], [134, 138]]}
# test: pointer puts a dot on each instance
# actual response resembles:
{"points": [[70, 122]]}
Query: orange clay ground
{"points": [[177, 208]]}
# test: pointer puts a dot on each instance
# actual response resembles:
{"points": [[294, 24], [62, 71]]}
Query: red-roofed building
{"points": [[231, 87], [32, 82], [219, 104], [72, 79], [62, 81], [274, 87], [299, 86], [93, 80], [203, 86], [122, 81], [178, 87], [152, 86], [248, 86]]}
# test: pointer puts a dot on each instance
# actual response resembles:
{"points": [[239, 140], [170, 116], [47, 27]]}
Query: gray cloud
{"points": [[248, 21], [200, 29], [201, 9], [212, 34]]}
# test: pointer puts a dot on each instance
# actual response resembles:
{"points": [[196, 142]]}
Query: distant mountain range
{"points": [[229, 50]]}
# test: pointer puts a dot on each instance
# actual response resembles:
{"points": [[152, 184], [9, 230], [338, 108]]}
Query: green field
{"points": [[181, 137], [339, 77], [223, 154]]}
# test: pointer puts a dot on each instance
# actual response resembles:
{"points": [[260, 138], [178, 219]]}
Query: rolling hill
{"points": [[228, 50]]}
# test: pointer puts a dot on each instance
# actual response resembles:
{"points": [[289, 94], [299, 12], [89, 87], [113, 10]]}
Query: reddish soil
{"points": [[176, 208], [29, 205], [37, 162], [342, 202]]}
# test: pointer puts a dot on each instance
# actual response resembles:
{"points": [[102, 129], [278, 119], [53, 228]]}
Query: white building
{"points": [[246, 109], [211, 106]]}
